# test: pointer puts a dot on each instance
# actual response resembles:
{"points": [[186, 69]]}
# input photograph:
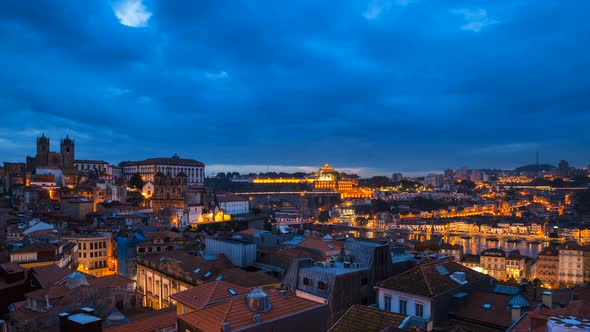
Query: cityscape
{"points": [[218, 167]]}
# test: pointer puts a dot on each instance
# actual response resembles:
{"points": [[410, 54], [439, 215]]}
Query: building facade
{"points": [[571, 264], [46, 158], [493, 262], [548, 267], [148, 169], [95, 254]]}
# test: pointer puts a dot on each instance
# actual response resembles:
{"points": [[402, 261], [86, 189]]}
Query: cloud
{"points": [[116, 92], [217, 75], [132, 13], [475, 19], [376, 7]]}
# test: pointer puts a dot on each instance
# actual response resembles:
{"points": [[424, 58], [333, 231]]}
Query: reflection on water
{"points": [[474, 245]]}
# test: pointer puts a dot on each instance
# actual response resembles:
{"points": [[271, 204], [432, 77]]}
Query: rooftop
{"points": [[239, 316], [336, 268], [430, 278], [148, 322], [367, 319], [213, 292]]}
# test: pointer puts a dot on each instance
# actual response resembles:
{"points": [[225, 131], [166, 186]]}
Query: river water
{"points": [[475, 244]]}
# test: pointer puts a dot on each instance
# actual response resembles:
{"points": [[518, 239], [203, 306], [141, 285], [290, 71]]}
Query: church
{"points": [[64, 159]]}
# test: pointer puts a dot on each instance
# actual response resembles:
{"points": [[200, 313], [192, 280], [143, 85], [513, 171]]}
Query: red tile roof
{"points": [[149, 322], [474, 311], [213, 292], [48, 275], [367, 319], [427, 280], [322, 246], [237, 313]]}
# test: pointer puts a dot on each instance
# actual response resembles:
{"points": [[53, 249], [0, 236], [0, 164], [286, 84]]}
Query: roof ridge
{"points": [[231, 302]]}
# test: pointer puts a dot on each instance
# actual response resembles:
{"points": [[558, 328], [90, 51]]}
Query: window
{"points": [[306, 281], [420, 310], [387, 303], [91, 245], [403, 306], [321, 285]]}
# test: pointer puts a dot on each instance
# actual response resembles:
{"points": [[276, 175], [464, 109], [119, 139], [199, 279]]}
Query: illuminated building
{"points": [[548, 266], [168, 191], [493, 261], [149, 168], [95, 254]]}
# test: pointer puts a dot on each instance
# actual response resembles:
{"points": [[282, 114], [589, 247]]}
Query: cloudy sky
{"points": [[369, 85]]}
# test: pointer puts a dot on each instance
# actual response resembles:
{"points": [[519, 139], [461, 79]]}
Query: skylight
{"points": [[197, 270], [219, 278], [442, 270], [487, 305], [232, 291], [207, 275], [330, 246]]}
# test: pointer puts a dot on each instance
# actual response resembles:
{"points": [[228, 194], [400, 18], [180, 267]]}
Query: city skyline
{"points": [[375, 86]]}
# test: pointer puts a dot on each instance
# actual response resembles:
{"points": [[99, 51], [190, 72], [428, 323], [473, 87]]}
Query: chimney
{"points": [[47, 304], [257, 319], [516, 312], [548, 299], [226, 327]]}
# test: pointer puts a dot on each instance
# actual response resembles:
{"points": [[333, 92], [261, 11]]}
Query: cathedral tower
{"points": [[42, 157], [67, 152]]}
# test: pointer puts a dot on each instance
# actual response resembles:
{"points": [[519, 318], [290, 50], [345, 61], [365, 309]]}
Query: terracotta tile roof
{"points": [[473, 309], [430, 279], [112, 281], [11, 268], [322, 246], [237, 313], [49, 274], [201, 296], [148, 322], [53, 292], [37, 247], [367, 319]]}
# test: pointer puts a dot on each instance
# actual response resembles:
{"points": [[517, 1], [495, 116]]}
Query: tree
{"points": [[221, 175], [136, 181]]}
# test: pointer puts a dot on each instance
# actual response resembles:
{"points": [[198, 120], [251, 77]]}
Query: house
{"points": [[493, 262], [455, 251], [41, 308], [270, 310], [338, 284], [161, 275], [426, 291]]}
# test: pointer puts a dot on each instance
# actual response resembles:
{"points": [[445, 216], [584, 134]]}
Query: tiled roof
{"points": [[37, 247], [327, 248], [430, 279], [493, 313], [366, 319], [112, 281], [149, 322], [200, 296], [237, 313], [48, 275]]}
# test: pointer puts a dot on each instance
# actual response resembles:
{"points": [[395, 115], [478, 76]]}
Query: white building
{"points": [[426, 290], [148, 168], [91, 165], [571, 264], [233, 204]]}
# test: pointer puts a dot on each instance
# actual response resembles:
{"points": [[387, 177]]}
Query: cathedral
{"points": [[64, 159]]}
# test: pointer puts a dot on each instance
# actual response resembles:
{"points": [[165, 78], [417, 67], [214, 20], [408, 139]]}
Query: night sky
{"points": [[374, 86]]}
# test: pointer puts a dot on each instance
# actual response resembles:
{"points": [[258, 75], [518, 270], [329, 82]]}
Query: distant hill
{"points": [[535, 168]]}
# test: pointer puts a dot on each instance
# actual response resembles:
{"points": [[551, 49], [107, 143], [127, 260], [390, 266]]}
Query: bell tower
{"points": [[67, 152], [42, 157]]}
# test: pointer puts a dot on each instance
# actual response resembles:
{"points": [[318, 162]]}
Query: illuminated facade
{"points": [[95, 255], [194, 170]]}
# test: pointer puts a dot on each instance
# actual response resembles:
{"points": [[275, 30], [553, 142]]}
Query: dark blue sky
{"points": [[370, 85]]}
